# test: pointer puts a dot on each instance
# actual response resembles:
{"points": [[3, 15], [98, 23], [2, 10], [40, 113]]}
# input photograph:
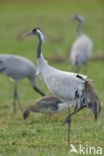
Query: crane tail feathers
{"points": [[92, 101]]}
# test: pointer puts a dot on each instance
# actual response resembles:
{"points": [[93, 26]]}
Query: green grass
{"points": [[36, 136]]}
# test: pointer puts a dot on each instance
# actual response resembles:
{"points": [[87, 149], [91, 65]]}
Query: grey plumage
{"points": [[46, 105], [17, 68], [81, 49]]}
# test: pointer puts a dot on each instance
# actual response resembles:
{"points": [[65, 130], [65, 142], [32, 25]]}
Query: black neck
{"points": [[39, 48]]}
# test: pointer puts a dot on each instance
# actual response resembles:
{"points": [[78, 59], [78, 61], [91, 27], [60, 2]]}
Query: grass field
{"points": [[38, 136]]}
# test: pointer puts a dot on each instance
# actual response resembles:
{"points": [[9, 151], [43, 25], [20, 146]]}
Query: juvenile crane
{"points": [[73, 89], [46, 105], [17, 68], [81, 49]]}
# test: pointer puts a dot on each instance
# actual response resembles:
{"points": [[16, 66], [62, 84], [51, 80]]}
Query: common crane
{"points": [[46, 105], [81, 49], [74, 89], [18, 67]]}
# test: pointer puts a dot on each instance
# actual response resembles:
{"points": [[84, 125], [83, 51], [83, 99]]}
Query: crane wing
{"points": [[65, 86]]}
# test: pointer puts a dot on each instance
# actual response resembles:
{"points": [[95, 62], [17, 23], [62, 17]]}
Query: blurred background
{"points": [[53, 17]]}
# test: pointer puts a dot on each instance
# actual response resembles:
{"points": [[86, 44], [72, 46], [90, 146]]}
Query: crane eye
{"points": [[34, 31]]}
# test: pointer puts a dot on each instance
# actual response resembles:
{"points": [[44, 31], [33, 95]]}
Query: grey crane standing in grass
{"points": [[74, 89], [46, 105], [17, 68], [81, 49]]}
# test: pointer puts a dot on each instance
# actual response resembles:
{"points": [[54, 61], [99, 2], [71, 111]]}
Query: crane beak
{"points": [[22, 36], [27, 34]]}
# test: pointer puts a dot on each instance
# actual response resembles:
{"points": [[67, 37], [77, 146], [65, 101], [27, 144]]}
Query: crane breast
{"points": [[81, 49]]}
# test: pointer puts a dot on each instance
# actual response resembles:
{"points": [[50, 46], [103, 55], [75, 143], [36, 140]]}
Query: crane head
{"points": [[36, 31], [79, 18]]}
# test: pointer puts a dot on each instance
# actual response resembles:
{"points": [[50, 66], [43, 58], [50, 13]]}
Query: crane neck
{"points": [[33, 108], [41, 62], [79, 26], [39, 52]]}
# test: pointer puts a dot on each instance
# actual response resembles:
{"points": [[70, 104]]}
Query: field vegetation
{"points": [[38, 136]]}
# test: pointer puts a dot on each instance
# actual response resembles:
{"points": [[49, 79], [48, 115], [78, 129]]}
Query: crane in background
{"points": [[81, 50], [17, 68]]}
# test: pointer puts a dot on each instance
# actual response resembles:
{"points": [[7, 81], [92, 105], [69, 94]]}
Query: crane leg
{"points": [[16, 98], [85, 68], [68, 121], [67, 118], [50, 116], [38, 91], [69, 128]]}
